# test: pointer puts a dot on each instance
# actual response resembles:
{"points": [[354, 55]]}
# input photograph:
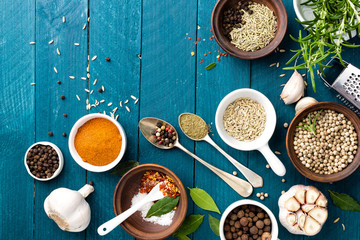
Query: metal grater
{"points": [[345, 81]]}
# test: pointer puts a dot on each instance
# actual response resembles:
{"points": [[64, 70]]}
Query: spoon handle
{"points": [[251, 176], [240, 186]]}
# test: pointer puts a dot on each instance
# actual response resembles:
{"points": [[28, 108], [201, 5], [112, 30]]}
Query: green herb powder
{"points": [[193, 126]]}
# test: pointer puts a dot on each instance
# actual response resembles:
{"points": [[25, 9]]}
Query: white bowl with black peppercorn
{"points": [[263, 224], [40, 164], [245, 120]]}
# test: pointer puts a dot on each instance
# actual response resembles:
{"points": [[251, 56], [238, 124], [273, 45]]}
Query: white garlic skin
{"points": [[303, 103], [293, 89], [69, 209]]}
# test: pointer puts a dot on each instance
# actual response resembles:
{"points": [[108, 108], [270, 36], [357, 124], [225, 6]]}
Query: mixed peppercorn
{"points": [[164, 134], [42, 161]]}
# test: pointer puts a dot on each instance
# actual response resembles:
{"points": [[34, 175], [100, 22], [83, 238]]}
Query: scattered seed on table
{"points": [[95, 81], [282, 192], [72, 77], [273, 64], [86, 90], [100, 90], [89, 21], [136, 101], [107, 59], [139, 56], [109, 104], [120, 103], [286, 125], [336, 220], [277, 152], [32, 83], [343, 226], [115, 109], [282, 50], [50, 134], [88, 75], [318, 72], [83, 78], [267, 166], [63, 19], [262, 197], [77, 96], [234, 173], [192, 54], [93, 58], [305, 83], [87, 68], [103, 88], [58, 82], [32, 43], [91, 91], [282, 75], [51, 42], [303, 75], [117, 116], [266, 195], [282, 85], [101, 101], [133, 97], [65, 115], [64, 134], [76, 44], [127, 108], [84, 27], [283, 180], [258, 195], [62, 97], [104, 112], [58, 51], [277, 64], [127, 100], [55, 70]]}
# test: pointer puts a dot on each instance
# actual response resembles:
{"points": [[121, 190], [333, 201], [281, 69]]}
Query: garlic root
{"points": [[293, 89]]}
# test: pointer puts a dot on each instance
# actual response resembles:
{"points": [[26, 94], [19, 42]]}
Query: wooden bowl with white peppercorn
{"points": [[315, 155]]}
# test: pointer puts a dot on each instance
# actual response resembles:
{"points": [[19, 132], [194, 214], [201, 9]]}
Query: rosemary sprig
{"points": [[311, 127], [334, 20]]}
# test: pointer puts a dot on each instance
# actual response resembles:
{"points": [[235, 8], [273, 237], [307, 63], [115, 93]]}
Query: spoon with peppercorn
{"points": [[195, 128], [164, 136]]}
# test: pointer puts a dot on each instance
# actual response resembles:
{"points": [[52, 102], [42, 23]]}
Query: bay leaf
{"points": [[124, 167], [203, 200], [344, 201], [214, 224], [190, 225], [210, 66], [162, 206]]}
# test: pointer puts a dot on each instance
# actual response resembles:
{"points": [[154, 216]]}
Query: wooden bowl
{"points": [[350, 115], [216, 25], [128, 186]]}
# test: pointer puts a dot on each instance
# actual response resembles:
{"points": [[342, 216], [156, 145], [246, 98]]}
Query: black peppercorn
{"points": [[58, 82], [107, 59], [50, 134], [64, 134], [65, 115], [100, 90], [62, 97]]}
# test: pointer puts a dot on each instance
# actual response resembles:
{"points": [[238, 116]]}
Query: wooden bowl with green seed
{"points": [[300, 164]]}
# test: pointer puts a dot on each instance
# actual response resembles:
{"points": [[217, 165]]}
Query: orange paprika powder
{"points": [[98, 142]]}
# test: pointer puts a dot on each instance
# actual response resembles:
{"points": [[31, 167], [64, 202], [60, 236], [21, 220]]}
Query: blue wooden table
{"points": [[150, 51]]}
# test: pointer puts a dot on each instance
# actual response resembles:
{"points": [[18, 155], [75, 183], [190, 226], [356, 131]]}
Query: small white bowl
{"points": [[61, 161], [76, 156], [274, 224]]}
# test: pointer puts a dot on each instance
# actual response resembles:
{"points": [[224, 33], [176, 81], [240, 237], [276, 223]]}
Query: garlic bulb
{"points": [[303, 103], [303, 210], [293, 89], [69, 209]]}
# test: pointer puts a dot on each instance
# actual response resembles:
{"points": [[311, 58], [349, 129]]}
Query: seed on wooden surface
{"points": [[103, 88], [282, 85], [64, 134], [86, 90], [277, 152], [273, 64], [234, 173], [87, 68], [72, 77], [101, 101], [286, 125], [76, 44], [55, 70], [83, 78], [58, 82], [115, 109], [258, 195], [336, 220], [120, 103], [93, 58], [318, 72], [127, 108], [77, 96], [133, 97], [88, 19], [117, 116], [32, 83], [51, 42], [104, 112], [282, 75], [277, 64], [267, 166], [282, 192], [282, 50], [84, 27], [109, 104], [58, 51], [305, 83], [266, 195], [65, 115], [32, 43], [343, 226], [91, 91], [127, 100], [108, 59], [62, 97], [303, 75], [95, 81], [88, 75], [283, 180], [192, 54], [139, 56], [63, 19], [262, 197], [50, 134], [87, 101], [136, 101]]}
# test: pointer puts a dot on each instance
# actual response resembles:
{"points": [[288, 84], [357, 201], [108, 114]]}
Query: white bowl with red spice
{"points": [[97, 142]]}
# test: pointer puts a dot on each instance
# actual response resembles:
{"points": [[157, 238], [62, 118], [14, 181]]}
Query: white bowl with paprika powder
{"points": [[97, 142]]}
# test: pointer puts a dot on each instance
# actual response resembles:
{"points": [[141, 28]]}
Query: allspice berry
{"points": [[260, 224], [62, 97], [254, 230], [244, 221]]}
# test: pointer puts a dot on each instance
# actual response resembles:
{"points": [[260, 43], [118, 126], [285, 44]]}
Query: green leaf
{"points": [[344, 201], [210, 66], [182, 237], [124, 167], [190, 225], [214, 224], [162, 206], [203, 200]]}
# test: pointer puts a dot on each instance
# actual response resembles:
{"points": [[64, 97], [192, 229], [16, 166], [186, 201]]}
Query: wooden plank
{"points": [[17, 117], [167, 79], [120, 41], [49, 106], [212, 86]]}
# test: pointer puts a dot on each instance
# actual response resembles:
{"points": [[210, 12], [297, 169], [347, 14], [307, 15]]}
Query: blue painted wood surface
{"points": [[149, 47]]}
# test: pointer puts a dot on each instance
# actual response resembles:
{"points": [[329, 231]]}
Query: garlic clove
{"points": [[321, 201], [319, 214], [291, 219], [301, 218], [292, 204], [293, 89], [312, 195], [303, 103], [300, 196], [311, 227], [307, 207]]}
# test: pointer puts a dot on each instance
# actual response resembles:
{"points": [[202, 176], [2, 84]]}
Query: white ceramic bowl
{"points": [[260, 143], [274, 224], [76, 156], [61, 161]]}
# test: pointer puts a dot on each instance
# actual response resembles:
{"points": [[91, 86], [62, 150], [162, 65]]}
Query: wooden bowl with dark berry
{"points": [[219, 25], [135, 225], [300, 164]]}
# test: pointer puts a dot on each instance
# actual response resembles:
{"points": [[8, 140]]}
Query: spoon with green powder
{"points": [[195, 128]]}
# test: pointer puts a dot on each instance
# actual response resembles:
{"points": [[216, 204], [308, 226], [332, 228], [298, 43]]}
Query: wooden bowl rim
{"points": [[182, 201], [351, 168], [225, 44]]}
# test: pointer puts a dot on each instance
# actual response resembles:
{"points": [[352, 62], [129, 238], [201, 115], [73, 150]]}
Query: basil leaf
{"points": [[203, 200], [210, 66], [182, 237], [190, 225], [124, 167], [214, 224], [162, 206], [344, 201]]}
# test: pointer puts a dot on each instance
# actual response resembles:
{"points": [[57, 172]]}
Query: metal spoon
{"points": [[147, 126], [252, 177]]}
